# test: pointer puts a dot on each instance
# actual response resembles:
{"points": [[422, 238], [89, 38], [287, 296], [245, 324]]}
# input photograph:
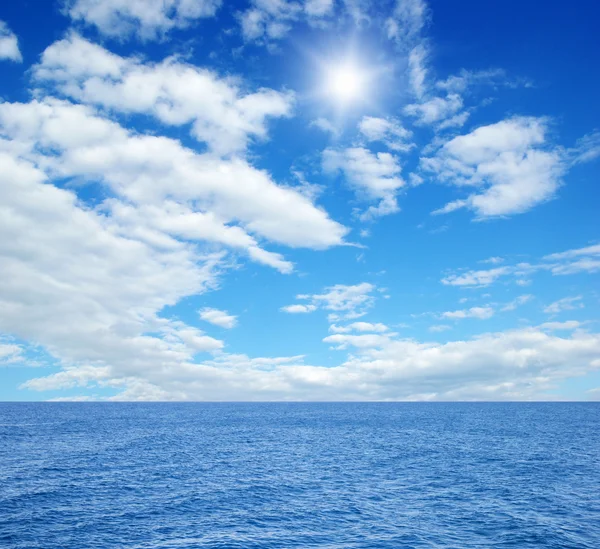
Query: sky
{"points": [[297, 200]]}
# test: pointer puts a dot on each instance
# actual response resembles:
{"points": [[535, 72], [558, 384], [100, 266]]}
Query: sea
{"points": [[299, 475]]}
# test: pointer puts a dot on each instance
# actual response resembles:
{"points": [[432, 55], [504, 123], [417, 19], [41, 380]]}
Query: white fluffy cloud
{"points": [[506, 163], [373, 176], [515, 365], [89, 283], [148, 19], [9, 44], [218, 317], [141, 170], [89, 296], [175, 93]]}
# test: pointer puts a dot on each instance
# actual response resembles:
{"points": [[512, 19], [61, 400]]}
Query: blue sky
{"points": [[299, 200]]}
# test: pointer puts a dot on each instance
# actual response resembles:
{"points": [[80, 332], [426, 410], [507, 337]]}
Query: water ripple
{"points": [[334, 476]]}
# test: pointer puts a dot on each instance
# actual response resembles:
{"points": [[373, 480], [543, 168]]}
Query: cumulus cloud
{"points": [[89, 283], [508, 164], [141, 170], [518, 364], [147, 19], [9, 44], [175, 93], [86, 294], [373, 176], [218, 317]]}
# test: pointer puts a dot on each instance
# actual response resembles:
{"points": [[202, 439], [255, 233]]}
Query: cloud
{"points": [[88, 295], [269, 20], [465, 79], [523, 364], [326, 126], [407, 21], [593, 250], [493, 260], [173, 92], [373, 176], [417, 70], [141, 169], [9, 44], [517, 302], [386, 130], [299, 309], [10, 353], [481, 313], [567, 325], [579, 260], [345, 302], [218, 317], [360, 341], [359, 327], [436, 110], [437, 328], [564, 304], [586, 149], [148, 20], [505, 163], [476, 278]]}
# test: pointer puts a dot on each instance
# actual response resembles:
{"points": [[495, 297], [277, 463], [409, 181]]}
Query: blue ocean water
{"points": [[437, 475]]}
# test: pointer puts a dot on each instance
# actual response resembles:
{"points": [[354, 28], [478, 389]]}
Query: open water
{"points": [[335, 476]]}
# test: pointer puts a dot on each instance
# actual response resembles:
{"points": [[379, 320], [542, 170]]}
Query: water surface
{"points": [[456, 475]]}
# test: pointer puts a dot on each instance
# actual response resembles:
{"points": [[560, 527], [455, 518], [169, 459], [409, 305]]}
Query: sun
{"points": [[346, 82]]}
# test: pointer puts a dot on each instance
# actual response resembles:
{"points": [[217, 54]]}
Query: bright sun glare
{"points": [[346, 83]]}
